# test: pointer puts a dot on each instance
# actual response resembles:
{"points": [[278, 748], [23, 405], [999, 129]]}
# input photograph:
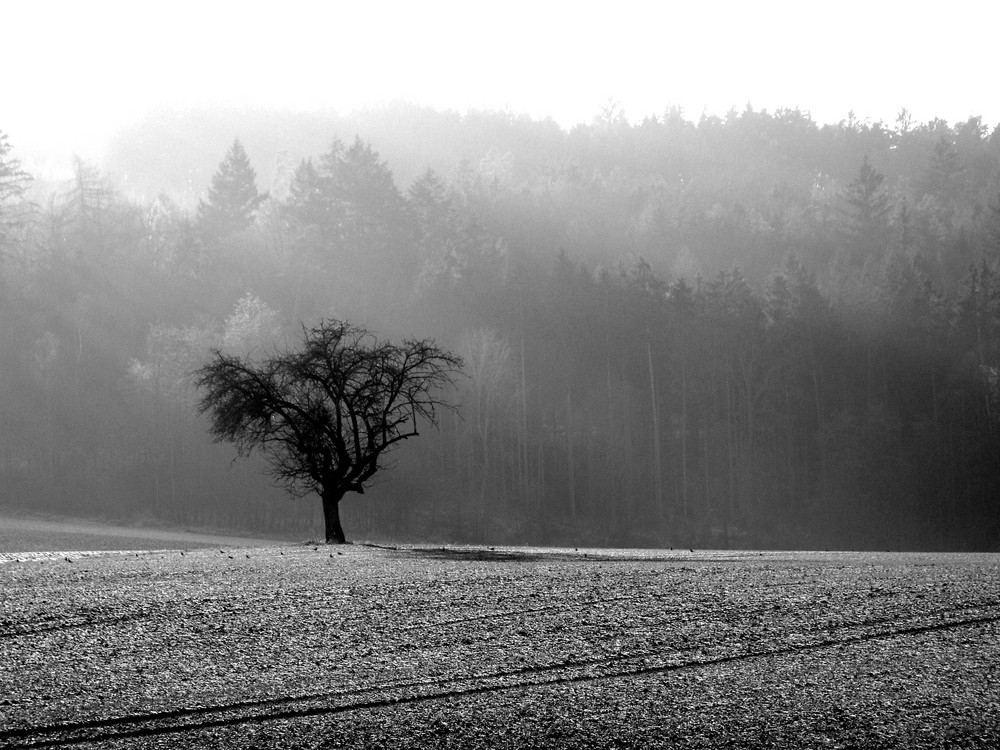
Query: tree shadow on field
{"points": [[486, 554], [556, 554]]}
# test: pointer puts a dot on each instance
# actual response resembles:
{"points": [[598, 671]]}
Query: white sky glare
{"points": [[77, 71]]}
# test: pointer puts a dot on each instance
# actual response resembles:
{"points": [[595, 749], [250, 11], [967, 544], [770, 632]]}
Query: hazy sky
{"points": [[74, 71]]}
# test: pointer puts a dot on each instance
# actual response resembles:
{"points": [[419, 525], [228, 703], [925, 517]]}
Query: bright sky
{"points": [[75, 71]]}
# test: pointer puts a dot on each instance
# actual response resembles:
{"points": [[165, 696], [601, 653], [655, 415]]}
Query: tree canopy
{"points": [[328, 413], [13, 182], [741, 330], [233, 197]]}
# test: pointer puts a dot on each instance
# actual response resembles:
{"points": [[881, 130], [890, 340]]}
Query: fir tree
{"points": [[233, 198], [13, 182]]}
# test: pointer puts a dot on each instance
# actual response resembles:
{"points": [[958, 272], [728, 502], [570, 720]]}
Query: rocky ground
{"points": [[316, 647]]}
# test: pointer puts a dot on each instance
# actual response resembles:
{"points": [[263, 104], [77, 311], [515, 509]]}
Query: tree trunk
{"points": [[657, 466], [569, 454], [331, 517]]}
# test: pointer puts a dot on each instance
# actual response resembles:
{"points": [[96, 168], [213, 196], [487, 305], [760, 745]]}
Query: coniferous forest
{"points": [[748, 331]]}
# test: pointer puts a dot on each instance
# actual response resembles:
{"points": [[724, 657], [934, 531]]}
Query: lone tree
{"points": [[327, 413]]}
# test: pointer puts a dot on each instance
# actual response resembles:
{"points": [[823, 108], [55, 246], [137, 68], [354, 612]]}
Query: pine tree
{"points": [[867, 206], [233, 198], [306, 204], [361, 186], [13, 182], [13, 179]]}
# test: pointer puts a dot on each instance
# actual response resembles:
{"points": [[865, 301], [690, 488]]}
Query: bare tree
{"points": [[326, 414]]}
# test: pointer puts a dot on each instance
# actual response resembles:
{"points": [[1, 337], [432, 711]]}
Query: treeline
{"points": [[746, 331]]}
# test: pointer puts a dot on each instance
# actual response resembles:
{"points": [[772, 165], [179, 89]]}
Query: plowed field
{"points": [[303, 646]]}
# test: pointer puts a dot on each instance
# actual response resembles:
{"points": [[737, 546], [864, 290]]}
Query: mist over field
{"points": [[750, 330]]}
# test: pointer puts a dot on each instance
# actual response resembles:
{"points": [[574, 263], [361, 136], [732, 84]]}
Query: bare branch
{"points": [[325, 413]]}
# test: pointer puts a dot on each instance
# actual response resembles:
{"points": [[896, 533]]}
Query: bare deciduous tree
{"points": [[327, 414]]}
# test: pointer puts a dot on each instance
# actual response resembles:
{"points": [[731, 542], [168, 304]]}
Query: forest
{"points": [[741, 331]]}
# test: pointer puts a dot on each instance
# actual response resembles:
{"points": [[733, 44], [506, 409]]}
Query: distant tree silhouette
{"points": [[13, 181], [306, 204], [233, 197], [326, 414], [866, 213]]}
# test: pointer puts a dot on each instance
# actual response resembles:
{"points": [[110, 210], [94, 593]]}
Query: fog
{"points": [[722, 276], [81, 73], [753, 330]]}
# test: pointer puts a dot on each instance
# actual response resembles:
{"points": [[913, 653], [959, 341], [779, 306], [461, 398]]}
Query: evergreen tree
{"points": [[362, 187], [944, 170], [306, 204], [13, 181], [367, 226], [866, 211], [233, 198], [437, 232]]}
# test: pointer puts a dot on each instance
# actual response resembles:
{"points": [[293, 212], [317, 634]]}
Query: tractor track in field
{"points": [[570, 671], [27, 628], [511, 613], [49, 624], [40, 626]]}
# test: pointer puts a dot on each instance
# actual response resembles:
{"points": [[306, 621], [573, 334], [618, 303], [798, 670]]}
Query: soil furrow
{"points": [[531, 610], [32, 628], [147, 725]]}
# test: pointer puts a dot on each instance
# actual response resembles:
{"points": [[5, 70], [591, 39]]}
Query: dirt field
{"points": [[302, 646]]}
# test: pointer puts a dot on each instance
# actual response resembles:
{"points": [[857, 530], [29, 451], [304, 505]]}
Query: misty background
{"points": [[739, 330], [722, 274]]}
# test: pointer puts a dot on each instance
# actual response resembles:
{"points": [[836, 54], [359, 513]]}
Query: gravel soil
{"points": [[361, 646]]}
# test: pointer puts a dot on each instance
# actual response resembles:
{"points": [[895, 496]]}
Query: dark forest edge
{"points": [[745, 331]]}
